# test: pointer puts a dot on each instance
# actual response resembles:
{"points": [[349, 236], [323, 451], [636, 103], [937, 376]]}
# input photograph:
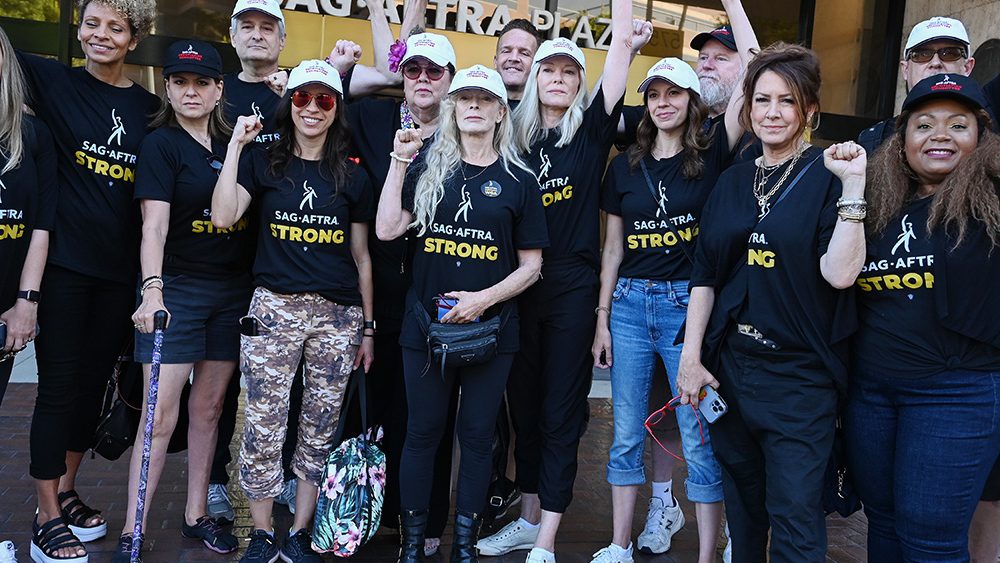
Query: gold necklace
{"points": [[761, 178]]}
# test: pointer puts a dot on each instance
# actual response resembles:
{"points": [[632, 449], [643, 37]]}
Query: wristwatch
{"points": [[29, 295], [369, 325]]}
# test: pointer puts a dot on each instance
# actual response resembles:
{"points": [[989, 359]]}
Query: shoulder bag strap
{"points": [[670, 224]]}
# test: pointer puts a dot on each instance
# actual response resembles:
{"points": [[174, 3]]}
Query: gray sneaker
{"points": [[287, 495], [219, 506]]}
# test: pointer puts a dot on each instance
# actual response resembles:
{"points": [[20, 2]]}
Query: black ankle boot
{"points": [[412, 524], [463, 550]]}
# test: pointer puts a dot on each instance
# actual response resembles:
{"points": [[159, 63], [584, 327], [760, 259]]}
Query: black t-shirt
{"points": [[250, 98], [992, 91], [97, 130], [304, 239], [27, 202], [898, 294], [175, 168], [652, 249], [569, 181], [472, 244], [767, 273]]}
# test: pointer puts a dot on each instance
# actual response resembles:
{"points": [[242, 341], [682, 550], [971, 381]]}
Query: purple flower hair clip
{"points": [[396, 53]]}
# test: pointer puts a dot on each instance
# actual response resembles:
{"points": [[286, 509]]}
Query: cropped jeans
{"points": [[645, 318]]}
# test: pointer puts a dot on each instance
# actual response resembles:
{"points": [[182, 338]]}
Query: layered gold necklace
{"points": [[762, 177]]}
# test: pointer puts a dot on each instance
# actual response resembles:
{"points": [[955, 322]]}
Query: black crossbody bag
{"points": [[460, 345]]}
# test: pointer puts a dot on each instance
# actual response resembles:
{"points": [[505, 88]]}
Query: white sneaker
{"points": [[219, 505], [539, 555], [287, 495], [727, 554], [613, 554], [511, 537], [662, 522], [7, 552]]}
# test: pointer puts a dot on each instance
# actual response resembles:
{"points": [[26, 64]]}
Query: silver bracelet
{"points": [[399, 158]]}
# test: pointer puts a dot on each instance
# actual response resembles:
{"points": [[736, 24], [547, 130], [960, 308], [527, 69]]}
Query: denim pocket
{"points": [[621, 288], [679, 294]]}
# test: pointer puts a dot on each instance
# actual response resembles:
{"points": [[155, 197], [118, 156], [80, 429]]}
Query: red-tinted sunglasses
{"points": [[413, 71], [658, 415], [325, 102]]}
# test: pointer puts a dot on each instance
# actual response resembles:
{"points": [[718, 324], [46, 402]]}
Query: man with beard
{"points": [[516, 47]]}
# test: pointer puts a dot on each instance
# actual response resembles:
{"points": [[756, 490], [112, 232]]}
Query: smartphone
{"points": [[444, 304], [250, 326], [710, 404], [3, 335]]}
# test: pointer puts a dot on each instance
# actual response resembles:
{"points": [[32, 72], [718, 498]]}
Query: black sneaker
{"points": [[298, 549], [262, 548], [211, 534], [123, 554]]}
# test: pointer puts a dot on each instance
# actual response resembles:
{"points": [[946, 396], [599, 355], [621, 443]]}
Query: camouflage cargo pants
{"points": [[293, 327]]}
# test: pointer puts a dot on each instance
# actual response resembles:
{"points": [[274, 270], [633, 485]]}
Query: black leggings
{"points": [[428, 397], [85, 323], [5, 370], [549, 385]]}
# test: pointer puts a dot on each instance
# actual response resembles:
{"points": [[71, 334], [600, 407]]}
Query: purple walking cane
{"points": [[159, 324]]}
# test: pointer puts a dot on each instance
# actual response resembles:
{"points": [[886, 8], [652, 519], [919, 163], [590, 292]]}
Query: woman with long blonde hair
{"points": [[479, 229]]}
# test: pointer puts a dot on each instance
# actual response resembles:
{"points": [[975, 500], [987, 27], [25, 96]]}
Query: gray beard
{"points": [[716, 94]]}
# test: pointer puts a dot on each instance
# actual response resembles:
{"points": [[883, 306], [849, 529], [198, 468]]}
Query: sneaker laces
{"points": [[217, 494], [303, 541], [260, 541], [509, 530]]}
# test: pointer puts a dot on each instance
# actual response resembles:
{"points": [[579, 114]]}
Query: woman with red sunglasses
{"points": [[313, 296]]}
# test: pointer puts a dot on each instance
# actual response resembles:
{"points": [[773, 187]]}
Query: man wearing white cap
{"points": [[470, 180], [934, 46]]}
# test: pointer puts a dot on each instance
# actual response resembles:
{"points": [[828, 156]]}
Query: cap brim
{"points": [[280, 17], [481, 89], [406, 59], [567, 55], [699, 42], [200, 70], [290, 88], [941, 38], [945, 94]]}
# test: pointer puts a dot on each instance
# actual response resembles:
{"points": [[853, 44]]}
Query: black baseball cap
{"points": [[191, 55], [722, 34], [954, 86]]}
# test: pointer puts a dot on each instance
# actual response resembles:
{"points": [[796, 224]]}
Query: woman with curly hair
{"points": [[923, 419], [98, 117]]}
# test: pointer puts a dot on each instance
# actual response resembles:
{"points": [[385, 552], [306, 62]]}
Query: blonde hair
{"points": [[445, 157], [528, 115], [138, 13], [12, 96]]}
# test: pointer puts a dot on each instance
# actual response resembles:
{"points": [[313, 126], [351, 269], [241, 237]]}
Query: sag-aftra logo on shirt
{"points": [[103, 160], [555, 189], [901, 260], [10, 231]]}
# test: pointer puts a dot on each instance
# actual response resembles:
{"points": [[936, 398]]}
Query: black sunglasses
{"points": [[946, 54]]}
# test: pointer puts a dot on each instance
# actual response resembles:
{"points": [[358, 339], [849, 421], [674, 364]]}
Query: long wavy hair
{"points": [[218, 128], [445, 157], [333, 165], [969, 193], [798, 66], [12, 97], [528, 115], [694, 141]]}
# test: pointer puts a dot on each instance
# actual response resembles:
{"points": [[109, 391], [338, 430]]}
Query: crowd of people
{"points": [[297, 229]]}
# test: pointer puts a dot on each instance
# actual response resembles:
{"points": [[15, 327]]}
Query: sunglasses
{"points": [[658, 415], [414, 70], [946, 54], [324, 102], [215, 162]]}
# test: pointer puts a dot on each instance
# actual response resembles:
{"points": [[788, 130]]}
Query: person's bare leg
{"points": [[68, 482], [709, 515], [305, 504], [547, 531], [211, 379], [260, 513], [984, 533], [622, 509], [47, 491], [172, 378], [531, 508]]}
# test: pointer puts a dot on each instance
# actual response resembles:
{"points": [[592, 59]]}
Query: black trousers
{"points": [[549, 384], [5, 370], [773, 446], [85, 324], [428, 397]]}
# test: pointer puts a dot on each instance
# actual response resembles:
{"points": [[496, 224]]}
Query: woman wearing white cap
{"points": [[565, 142], [653, 195], [313, 292], [471, 205]]}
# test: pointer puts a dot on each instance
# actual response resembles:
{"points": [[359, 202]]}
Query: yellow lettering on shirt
{"points": [[549, 198], [643, 241], [105, 168], [310, 235], [207, 227], [890, 282], [461, 249], [11, 232], [763, 258]]}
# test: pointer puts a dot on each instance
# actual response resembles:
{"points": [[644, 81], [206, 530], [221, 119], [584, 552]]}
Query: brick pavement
{"points": [[586, 527]]}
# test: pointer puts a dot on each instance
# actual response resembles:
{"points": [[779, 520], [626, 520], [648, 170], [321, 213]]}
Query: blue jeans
{"points": [[921, 450], [645, 318]]}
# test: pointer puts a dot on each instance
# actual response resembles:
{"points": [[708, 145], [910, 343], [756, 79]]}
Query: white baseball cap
{"points": [[675, 71], [479, 77], [431, 46], [314, 71], [937, 28], [560, 46]]}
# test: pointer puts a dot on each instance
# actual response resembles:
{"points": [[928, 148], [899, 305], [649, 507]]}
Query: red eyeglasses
{"points": [[413, 71], [325, 102], [658, 415]]}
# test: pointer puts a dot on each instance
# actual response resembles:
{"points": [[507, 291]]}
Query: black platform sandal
{"points": [[76, 514], [49, 538]]}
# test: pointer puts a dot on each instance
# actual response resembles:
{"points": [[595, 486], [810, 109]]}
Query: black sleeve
{"points": [[632, 115], [871, 139], [413, 173], [611, 201], [718, 154], [45, 164], [600, 124], [156, 171], [992, 91], [707, 252], [362, 200], [530, 228], [246, 171], [40, 74]]}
